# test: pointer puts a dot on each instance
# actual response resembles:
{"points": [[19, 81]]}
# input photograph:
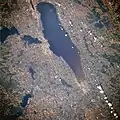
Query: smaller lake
{"points": [[30, 40], [58, 38], [25, 100], [5, 32], [32, 72]]}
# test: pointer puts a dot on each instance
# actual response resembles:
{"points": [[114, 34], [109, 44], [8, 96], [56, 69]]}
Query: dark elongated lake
{"points": [[58, 38], [30, 40]]}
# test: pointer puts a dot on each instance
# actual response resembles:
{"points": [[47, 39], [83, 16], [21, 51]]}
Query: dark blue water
{"points": [[25, 100], [32, 72], [30, 40], [5, 32], [60, 44]]}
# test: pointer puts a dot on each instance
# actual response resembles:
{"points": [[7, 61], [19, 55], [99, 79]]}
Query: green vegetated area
{"points": [[106, 19], [105, 16], [108, 14], [111, 10]]}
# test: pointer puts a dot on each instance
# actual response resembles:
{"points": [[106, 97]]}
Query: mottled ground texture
{"points": [[47, 87]]}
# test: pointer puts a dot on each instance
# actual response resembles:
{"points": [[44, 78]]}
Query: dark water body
{"points": [[60, 44], [65, 83], [99, 25], [25, 100], [32, 72], [5, 32], [104, 22], [99, 22], [30, 40]]}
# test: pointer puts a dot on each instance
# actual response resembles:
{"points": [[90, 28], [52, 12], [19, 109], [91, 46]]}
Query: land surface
{"points": [[56, 92]]}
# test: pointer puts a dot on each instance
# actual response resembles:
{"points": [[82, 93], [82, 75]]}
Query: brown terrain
{"points": [[56, 93]]}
